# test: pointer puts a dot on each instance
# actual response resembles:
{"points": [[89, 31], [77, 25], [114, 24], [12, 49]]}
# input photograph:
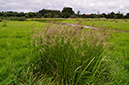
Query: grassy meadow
{"points": [[44, 52]]}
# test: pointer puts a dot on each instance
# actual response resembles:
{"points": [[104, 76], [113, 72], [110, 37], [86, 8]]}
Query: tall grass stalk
{"points": [[70, 55]]}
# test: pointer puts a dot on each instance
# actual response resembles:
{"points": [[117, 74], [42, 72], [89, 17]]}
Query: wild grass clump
{"points": [[125, 20], [116, 21], [70, 55], [4, 23]]}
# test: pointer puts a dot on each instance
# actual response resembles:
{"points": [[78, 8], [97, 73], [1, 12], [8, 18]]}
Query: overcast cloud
{"points": [[84, 6]]}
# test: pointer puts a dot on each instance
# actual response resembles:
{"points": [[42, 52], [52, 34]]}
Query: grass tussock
{"points": [[4, 23], [70, 55]]}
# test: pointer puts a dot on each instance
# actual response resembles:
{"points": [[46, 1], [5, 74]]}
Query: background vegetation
{"points": [[67, 12]]}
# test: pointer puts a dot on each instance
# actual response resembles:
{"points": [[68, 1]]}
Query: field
{"points": [[42, 51]]}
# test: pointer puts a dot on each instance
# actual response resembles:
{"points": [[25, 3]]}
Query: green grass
{"points": [[14, 46], [116, 24], [119, 57], [38, 53]]}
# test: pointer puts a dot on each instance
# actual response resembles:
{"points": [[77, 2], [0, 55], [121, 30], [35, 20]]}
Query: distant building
{"points": [[87, 14]]}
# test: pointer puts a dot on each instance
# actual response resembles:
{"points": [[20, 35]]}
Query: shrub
{"points": [[17, 18], [3, 18], [69, 54], [14, 18]]}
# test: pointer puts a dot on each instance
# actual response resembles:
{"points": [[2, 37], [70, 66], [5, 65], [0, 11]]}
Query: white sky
{"points": [[84, 6]]}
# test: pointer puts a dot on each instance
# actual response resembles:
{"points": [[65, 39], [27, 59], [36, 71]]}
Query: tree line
{"points": [[67, 12]]}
